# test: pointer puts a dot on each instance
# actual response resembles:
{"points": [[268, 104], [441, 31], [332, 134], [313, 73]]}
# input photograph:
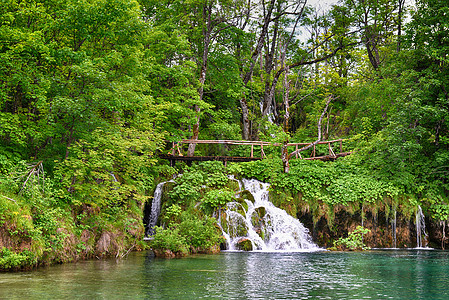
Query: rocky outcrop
{"points": [[386, 231]]}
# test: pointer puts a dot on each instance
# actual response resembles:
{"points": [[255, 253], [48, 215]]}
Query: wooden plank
{"points": [[208, 158], [179, 156], [228, 142], [255, 143]]}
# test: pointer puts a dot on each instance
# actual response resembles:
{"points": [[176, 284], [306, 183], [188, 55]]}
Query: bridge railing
{"points": [[176, 149]]}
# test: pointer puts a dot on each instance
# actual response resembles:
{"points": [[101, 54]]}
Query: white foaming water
{"points": [[155, 208], [267, 227], [420, 229]]}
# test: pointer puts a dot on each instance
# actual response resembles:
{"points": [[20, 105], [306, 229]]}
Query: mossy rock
{"points": [[247, 195], [261, 233], [242, 230], [245, 245], [241, 207], [239, 226], [233, 185], [256, 217]]}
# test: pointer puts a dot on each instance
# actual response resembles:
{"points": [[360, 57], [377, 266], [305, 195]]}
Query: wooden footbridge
{"points": [[176, 152]]}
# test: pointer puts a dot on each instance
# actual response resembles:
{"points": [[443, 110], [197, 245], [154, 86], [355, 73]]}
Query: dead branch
{"points": [[10, 199], [34, 173]]}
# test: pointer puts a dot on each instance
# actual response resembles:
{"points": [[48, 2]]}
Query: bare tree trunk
{"points": [[270, 85], [207, 37], [330, 98], [245, 120], [400, 12], [195, 132], [285, 157], [247, 76]]}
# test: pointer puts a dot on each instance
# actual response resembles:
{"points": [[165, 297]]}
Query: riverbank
{"points": [[56, 225], [37, 235]]}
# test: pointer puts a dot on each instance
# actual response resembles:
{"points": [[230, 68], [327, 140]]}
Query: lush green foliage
{"points": [[217, 198], [13, 260], [90, 91], [169, 239], [341, 182], [187, 233]]}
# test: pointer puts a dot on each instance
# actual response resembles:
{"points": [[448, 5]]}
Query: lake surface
{"points": [[386, 274]]}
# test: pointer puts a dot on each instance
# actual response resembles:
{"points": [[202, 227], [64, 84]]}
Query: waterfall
{"points": [[420, 229], [155, 208], [393, 229], [259, 225]]}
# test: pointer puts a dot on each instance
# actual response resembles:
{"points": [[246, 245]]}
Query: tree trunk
{"points": [[247, 76], [207, 37], [245, 120], [195, 132], [285, 157]]}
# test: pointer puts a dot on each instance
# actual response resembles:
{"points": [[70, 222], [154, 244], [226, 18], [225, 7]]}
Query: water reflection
{"points": [[323, 275]]}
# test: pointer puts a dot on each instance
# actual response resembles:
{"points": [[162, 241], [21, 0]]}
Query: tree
{"points": [[70, 70], [375, 20]]}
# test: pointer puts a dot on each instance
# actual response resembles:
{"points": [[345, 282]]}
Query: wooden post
{"points": [[341, 146], [261, 151], [296, 151], [252, 151], [314, 151], [330, 150], [173, 149]]}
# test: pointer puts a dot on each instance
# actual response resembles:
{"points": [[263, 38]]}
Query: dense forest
{"points": [[91, 92]]}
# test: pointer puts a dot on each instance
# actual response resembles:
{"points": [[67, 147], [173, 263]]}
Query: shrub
{"points": [[169, 239], [12, 260], [217, 198], [354, 241], [199, 234]]}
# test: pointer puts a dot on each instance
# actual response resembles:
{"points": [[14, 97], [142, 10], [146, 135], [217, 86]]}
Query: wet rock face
{"points": [[15, 242], [103, 243], [382, 229]]}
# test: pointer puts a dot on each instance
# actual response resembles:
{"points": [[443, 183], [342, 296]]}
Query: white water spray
{"points": [[263, 225], [393, 229], [420, 229], [155, 208]]}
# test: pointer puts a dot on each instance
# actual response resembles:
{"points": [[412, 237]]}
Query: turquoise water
{"points": [[414, 274]]}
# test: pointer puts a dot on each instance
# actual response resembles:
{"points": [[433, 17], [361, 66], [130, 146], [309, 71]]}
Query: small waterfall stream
{"points": [[155, 208], [262, 226], [393, 229], [421, 235]]}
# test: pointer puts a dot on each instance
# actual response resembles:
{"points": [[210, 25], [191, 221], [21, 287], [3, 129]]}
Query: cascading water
{"points": [[420, 229], [155, 208], [259, 225], [393, 229]]}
